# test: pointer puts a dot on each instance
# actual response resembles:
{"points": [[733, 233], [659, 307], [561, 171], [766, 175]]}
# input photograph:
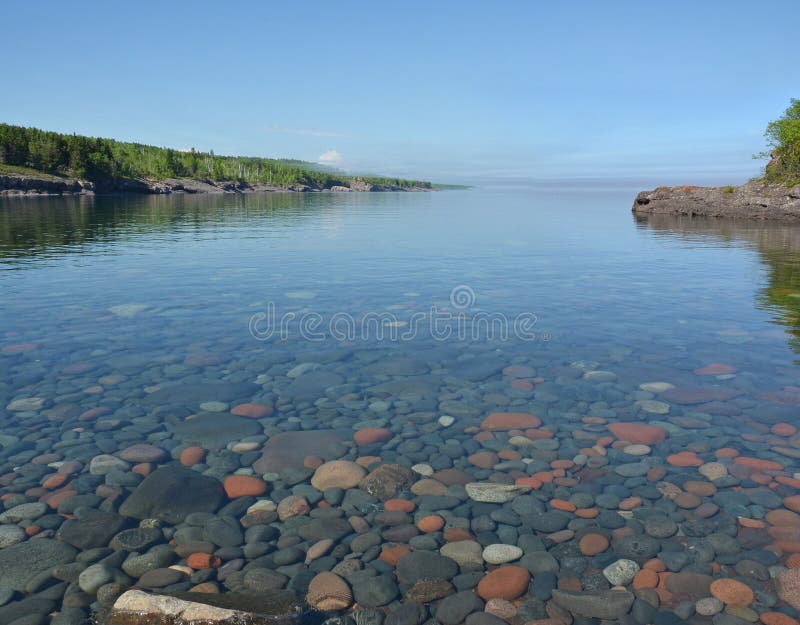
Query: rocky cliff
{"points": [[754, 200], [19, 184]]}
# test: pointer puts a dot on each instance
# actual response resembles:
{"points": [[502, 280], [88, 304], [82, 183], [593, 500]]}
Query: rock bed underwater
{"points": [[380, 490]]}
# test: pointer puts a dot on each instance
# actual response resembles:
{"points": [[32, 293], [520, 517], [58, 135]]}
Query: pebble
{"points": [[788, 587], [11, 535], [192, 456], [732, 592], [104, 464], [498, 421], [653, 406], [621, 572], [599, 376], [26, 404], [243, 486], [495, 493], [423, 469], [709, 606], [376, 591], [252, 410], [93, 577], [291, 506], [638, 433], [501, 554], [453, 610], [656, 387], [418, 565], [213, 406], [593, 544], [136, 539], [506, 582], [417, 485], [430, 523], [328, 591], [24, 512], [466, 553], [713, 470], [337, 474]]}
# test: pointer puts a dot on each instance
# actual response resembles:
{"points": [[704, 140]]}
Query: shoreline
{"points": [[753, 200], [44, 185]]}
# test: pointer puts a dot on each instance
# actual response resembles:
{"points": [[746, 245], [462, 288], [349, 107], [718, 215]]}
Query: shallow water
{"points": [[314, 301]]}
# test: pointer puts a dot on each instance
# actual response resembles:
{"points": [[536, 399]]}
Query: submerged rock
{"points": [[214, 430], [289, 449], [192, 395], [495, 493], [171, 493], [328, 591], [136, 607], [387, 481], [22, 562], [602, 604]]}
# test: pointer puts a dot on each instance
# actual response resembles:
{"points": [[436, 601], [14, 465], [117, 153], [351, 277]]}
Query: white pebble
{"points": [[425, 470], [500, 553]]}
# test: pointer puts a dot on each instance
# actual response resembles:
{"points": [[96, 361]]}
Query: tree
{"points": [[783, 136]]}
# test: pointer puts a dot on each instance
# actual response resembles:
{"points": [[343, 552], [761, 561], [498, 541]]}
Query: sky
{"points": [[461, 91]]}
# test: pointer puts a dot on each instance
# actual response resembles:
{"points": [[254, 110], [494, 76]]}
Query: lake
{"points": [[346, 364]]}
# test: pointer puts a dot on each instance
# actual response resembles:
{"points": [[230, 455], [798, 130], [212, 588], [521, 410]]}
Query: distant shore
{"points": [[753, 200], [36, 185]]}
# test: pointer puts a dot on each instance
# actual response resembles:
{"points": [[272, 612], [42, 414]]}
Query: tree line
{"points": [[96, 159]]}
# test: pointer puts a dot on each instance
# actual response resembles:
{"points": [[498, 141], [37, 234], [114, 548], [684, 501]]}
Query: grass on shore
{"points": [[28, 172]]}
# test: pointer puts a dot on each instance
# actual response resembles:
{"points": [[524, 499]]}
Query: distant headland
{"points": [[39, 162], [776, 195]]}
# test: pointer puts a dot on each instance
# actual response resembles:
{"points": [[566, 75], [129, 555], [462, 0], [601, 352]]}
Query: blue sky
{"points": [[444, 90]]}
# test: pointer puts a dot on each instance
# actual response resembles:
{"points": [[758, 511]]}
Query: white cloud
{"points": [[331, 157]]}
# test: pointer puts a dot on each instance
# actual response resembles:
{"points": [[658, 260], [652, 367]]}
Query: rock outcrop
{"points": [[44, 184], [754, 200], [18, 184]]}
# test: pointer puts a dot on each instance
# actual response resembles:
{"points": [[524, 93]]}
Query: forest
{"points": [[97, 160]]}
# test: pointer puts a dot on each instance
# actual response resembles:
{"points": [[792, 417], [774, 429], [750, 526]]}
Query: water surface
{"points": [[325, 304]]}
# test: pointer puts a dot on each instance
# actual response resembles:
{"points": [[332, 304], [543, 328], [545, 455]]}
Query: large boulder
{"points": [[214, 430], [288, 449], [171, 493], [20, 563], [91, 528]]}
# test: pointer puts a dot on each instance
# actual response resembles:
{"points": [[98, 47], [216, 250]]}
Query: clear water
{"points": [[602, 286], [170, 290]]}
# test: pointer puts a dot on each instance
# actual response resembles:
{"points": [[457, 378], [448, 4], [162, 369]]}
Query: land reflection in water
{"points": [[778, 245]]}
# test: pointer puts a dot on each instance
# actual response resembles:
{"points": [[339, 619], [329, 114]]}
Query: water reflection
{"points": [[778, 245], [31, 227]]}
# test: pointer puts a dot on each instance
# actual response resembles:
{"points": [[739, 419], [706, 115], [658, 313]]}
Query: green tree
{"points": [[783, 136]]}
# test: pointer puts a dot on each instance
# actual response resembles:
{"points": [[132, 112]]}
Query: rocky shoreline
{"points": [[45, 185], [754, 200]]}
